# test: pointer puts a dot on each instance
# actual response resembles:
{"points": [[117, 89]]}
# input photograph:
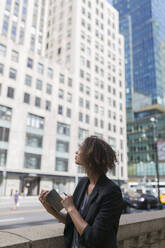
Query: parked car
{"points": [[126, 203], [145, 201], [162, 198]]}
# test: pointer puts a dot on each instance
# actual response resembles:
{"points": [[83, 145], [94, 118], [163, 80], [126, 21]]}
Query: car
{"points": [[126, 203], [162, 198], [145, 201]]}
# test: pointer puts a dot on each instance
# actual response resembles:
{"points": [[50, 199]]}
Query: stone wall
{"points": [[142, 230]]}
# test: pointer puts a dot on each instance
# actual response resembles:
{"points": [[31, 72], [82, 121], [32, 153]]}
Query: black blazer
{"points": [[102, 213]]}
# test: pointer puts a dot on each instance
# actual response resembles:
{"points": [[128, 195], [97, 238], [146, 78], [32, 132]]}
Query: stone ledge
{"points": [[131, 227], [36, 236]]}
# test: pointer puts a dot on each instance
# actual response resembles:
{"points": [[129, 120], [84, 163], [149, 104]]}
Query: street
{"points": [[30, 212]]}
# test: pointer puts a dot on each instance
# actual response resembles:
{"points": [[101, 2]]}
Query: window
{"points": [[61, 93], [102, 111], [1, 69], [32, 161], [10, 92], [102, 124], [114, 128], [81, 87], [81, 73], [13, 31], [4, 134], [87, 104], [61, 78], [26, 98], [50, 72], [87, 119], [16, 8], [21, 35], [35, 121], [68, 112], [87, 90], [69, 82], [5, 113], [3, 157], [2, 50], [14, 56], [37, 101], [38, 84], [33, 140], [61, 164], [40, 68], [63, 129], [96, 108], [62, 146], [12, 73], [60, 109], [81, 102], [28, 80], [49, 89], [96, 122], [109, 126], [69, 97], [48, 105], [80, 116], [83, 133], [88, 77], [30, 63]]}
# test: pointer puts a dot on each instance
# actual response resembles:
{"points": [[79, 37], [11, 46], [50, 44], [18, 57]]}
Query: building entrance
{"points": [[31, 186]]}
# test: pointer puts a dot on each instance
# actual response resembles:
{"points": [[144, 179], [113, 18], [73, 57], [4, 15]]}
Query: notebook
{"points": [[54, 199]]}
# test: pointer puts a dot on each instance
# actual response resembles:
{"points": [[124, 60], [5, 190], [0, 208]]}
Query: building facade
{"points": [[61, 80], [141, 23], [143, 136]]}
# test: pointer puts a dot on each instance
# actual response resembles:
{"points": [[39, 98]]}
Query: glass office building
{"points": [[142, 24], [142, 137]]}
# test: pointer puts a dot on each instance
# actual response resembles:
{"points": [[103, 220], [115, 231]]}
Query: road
{"points": [[30, 212]]}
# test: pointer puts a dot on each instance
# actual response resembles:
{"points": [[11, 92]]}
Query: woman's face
{"points": [[78, 156]]}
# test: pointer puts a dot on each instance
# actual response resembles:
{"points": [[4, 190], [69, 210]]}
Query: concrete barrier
{"points": [[141, 230]]}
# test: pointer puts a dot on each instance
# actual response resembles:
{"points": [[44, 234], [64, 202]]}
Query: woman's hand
{"points": [[67, 203], [42, 198]]}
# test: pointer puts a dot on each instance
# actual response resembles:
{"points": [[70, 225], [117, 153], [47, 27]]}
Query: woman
{"points": [[94, 211]]}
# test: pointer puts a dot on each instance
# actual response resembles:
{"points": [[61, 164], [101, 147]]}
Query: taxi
{"points": [[162, 198]]}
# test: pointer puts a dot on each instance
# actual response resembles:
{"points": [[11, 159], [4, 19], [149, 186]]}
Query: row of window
{"points": [[30, 61], [33, 161]]}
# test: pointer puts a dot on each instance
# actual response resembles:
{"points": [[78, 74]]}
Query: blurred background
{"points": [[70, 69]]}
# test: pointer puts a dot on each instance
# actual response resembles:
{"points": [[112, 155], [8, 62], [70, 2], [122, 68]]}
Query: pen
{"points": [[64, 193]]}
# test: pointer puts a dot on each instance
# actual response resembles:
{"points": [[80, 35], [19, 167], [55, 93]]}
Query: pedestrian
{"points": [[94, 210], [16, 198]]}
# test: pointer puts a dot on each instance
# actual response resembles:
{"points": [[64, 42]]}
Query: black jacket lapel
{"points": [[93, 196]]}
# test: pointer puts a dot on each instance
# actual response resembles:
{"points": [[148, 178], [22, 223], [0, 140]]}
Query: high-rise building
{"points": [[142, 24], [143, 27], [61, 80]]}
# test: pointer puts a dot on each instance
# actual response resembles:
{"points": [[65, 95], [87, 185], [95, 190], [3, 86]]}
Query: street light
{"points": [[154, 121]]}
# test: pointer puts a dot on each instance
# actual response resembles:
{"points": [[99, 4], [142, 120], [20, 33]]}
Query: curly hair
{"points": [[98, 156]]}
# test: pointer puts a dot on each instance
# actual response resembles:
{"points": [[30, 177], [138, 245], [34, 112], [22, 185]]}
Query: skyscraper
{"points": [[143, 27], [142, 24], [61, 80]]}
